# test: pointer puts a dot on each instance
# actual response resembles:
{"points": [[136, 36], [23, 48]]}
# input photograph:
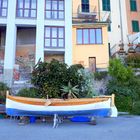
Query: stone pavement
{"points": [[121, 128]]}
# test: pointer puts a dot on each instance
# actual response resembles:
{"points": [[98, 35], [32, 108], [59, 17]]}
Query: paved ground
{"points": [[121, 128]]}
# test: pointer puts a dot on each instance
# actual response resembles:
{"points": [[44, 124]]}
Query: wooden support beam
{"points": [[113, 100]]}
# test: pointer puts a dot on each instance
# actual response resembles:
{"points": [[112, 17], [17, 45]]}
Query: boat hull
{"points": [[17, 108], [95, 112]]}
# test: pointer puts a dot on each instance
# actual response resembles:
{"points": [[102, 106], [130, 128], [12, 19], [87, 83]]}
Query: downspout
{"points": [[99, 10], [122, 40]]}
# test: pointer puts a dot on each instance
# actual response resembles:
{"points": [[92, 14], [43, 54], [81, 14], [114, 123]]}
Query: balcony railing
{"points": [[91, 11], [90, 15], [86, 13]]}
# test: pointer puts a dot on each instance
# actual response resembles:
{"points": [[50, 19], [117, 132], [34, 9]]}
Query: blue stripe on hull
{"points": [[97, 112]]}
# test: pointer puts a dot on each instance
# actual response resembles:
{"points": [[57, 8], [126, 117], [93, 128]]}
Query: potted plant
{"points": [[70, 91]]}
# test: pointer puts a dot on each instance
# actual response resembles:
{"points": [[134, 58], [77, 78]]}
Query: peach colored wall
{"points": [[77, 3], [81, 53], [132, 15]]}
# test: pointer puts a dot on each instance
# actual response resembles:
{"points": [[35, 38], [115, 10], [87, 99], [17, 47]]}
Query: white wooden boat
{"points": [[21, 106]]}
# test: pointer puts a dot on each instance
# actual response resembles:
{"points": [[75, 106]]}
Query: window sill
{"points": [[30, 18], [88, 44]]}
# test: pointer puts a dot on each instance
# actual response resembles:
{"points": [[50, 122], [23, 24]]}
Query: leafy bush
{"points": [[119, 72], [51, 73], [28, 92], [124, 84], [123, 103], [73, 76], [50, 91], [3, 89], [100, 75], [133, 60], [114, 87], [87, 89], [50, 77], [136, 108]]}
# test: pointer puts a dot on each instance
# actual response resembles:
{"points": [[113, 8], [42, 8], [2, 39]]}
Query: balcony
{"points": [[85, 15], [92, 15]]}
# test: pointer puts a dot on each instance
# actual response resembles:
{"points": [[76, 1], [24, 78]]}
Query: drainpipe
{"points": [[122, 40], [121, 51], [99, 10]]}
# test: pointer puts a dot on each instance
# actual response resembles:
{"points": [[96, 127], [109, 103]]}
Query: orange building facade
{"points": [[133, 16], [90, 36]]}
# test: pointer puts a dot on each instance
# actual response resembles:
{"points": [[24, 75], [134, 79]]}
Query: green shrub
{"points": [[50, 91], [136, 108], [124, 85], [73, 76], [133, 60], [119, 72], [123, 103], [29, 92], [87, 89], [50, 76], [3, 89], [100, 75]]}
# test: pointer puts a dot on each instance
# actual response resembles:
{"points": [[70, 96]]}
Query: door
{"points": [[92, 64]]}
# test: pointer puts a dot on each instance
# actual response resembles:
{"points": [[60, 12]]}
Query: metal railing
{"points": [[91, 15], [90, 11]]}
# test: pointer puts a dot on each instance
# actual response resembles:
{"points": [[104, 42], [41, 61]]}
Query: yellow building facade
{"points": [[90, 36]]}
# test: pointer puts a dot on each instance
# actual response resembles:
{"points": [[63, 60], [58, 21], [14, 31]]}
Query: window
{"points": [[27, 8], [54, 37], [106, 5], [85, 5], [54, 9], [89, 36], [133, 5], [3, 8], [135, 26]]}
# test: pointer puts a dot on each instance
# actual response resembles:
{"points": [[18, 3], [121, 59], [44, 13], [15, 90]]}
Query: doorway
{"points": [[92, 64]]}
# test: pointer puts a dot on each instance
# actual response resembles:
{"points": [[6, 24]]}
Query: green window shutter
{"points": [[135, 26], [109, 27], [106, 5], [133, 5]]}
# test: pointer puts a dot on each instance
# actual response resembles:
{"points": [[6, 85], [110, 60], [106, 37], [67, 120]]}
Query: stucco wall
{"points": [[132, 15], [77, 3], [81, 53]]}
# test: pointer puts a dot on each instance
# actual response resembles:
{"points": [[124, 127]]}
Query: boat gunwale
{"points": [[57, 102]]}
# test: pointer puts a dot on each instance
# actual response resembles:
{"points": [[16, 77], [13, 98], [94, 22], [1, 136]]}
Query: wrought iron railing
{"points": [[92, 14]]}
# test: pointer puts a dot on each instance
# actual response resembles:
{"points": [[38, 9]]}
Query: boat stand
{"points": [[93, 120], [57, 120]]}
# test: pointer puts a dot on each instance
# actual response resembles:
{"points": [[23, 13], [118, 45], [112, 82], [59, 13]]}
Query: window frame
{"points": [[56, 10], [24, 9], [2, 8], [57, 37], [85, 10], [133, 5], [89, 36], [135, 26], [106, 6]]}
